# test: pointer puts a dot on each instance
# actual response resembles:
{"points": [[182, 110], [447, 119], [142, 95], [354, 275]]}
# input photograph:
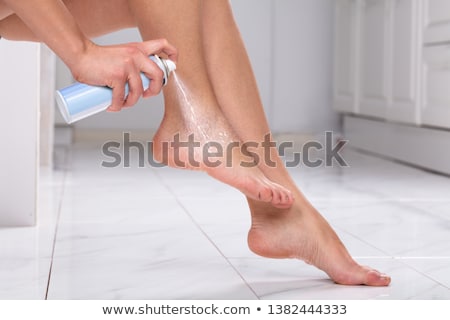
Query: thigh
{"points": [[4, 10], [99, 17], [94, 17]]}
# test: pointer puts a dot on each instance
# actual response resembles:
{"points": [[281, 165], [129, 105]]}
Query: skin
{"points": [[210, 57]]}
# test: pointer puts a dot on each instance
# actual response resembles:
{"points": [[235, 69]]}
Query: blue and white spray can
{"points": [[79, 100]]}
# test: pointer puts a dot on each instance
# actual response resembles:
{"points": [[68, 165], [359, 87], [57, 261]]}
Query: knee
{"points": [[2, 30], [12, 28]]}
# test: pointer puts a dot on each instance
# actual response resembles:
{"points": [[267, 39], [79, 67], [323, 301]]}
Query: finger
{"points": [[154, 73], [135, 90], [155, 87], [147, 94], [156, 83], [157, 47], [118, 97]]}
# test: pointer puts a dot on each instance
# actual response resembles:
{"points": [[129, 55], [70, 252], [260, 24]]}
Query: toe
{"points": [[362, 275], [276, 198], [375, 278], [284, 199], [289, 198], [265, 194]]}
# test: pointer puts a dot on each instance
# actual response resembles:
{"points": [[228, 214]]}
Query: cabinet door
{"points": [[436, 86], [406, 52], [437, 21], [19, 129], [345, 56], [374, 68]]}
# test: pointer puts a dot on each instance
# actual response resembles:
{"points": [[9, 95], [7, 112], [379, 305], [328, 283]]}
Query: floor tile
{"points": [[157, 260], [227, 227], [162, 233], [26, 252], [294, 280], [437, 268]]}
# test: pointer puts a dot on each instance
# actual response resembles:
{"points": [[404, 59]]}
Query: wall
{"points": [[303, 66], [292, 61], [47, 106]]}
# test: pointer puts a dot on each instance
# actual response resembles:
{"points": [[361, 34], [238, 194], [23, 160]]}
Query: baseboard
{"points": [[103, 135], [426, 148]]}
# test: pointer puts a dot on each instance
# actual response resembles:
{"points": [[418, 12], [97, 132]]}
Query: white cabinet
{"points": [[19, 129], [406, 55], [377, 57], [435, 109], [437, 21], [374, 58], [345, 58], [436, 87], [401, 60]]}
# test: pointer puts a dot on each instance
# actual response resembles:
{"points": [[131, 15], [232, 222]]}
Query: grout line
{"points": [[204, 233], [422, 258], [403, 262], [56, 228], [387, 255]]}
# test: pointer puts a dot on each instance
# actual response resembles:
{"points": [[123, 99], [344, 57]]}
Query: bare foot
{"points": [[300, 232], [192, 136]]}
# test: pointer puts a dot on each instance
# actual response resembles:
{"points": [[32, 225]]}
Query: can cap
{"points": [[171, 65], [167, 66]]}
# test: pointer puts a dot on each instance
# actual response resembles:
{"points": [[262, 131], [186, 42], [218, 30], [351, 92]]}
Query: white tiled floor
{"points": [[147, 233]]}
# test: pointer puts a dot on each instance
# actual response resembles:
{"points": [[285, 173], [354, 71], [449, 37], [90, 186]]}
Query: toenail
{"points": [[384, 276]]}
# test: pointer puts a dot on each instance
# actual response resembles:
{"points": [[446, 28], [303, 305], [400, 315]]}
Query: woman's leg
{"points": [[194, 127], [300, 231]]}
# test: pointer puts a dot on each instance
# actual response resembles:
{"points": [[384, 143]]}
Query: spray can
{"points": [[79, 100]]}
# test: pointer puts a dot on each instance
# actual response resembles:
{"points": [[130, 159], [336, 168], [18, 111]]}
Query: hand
{"points": [[115, 66]]}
